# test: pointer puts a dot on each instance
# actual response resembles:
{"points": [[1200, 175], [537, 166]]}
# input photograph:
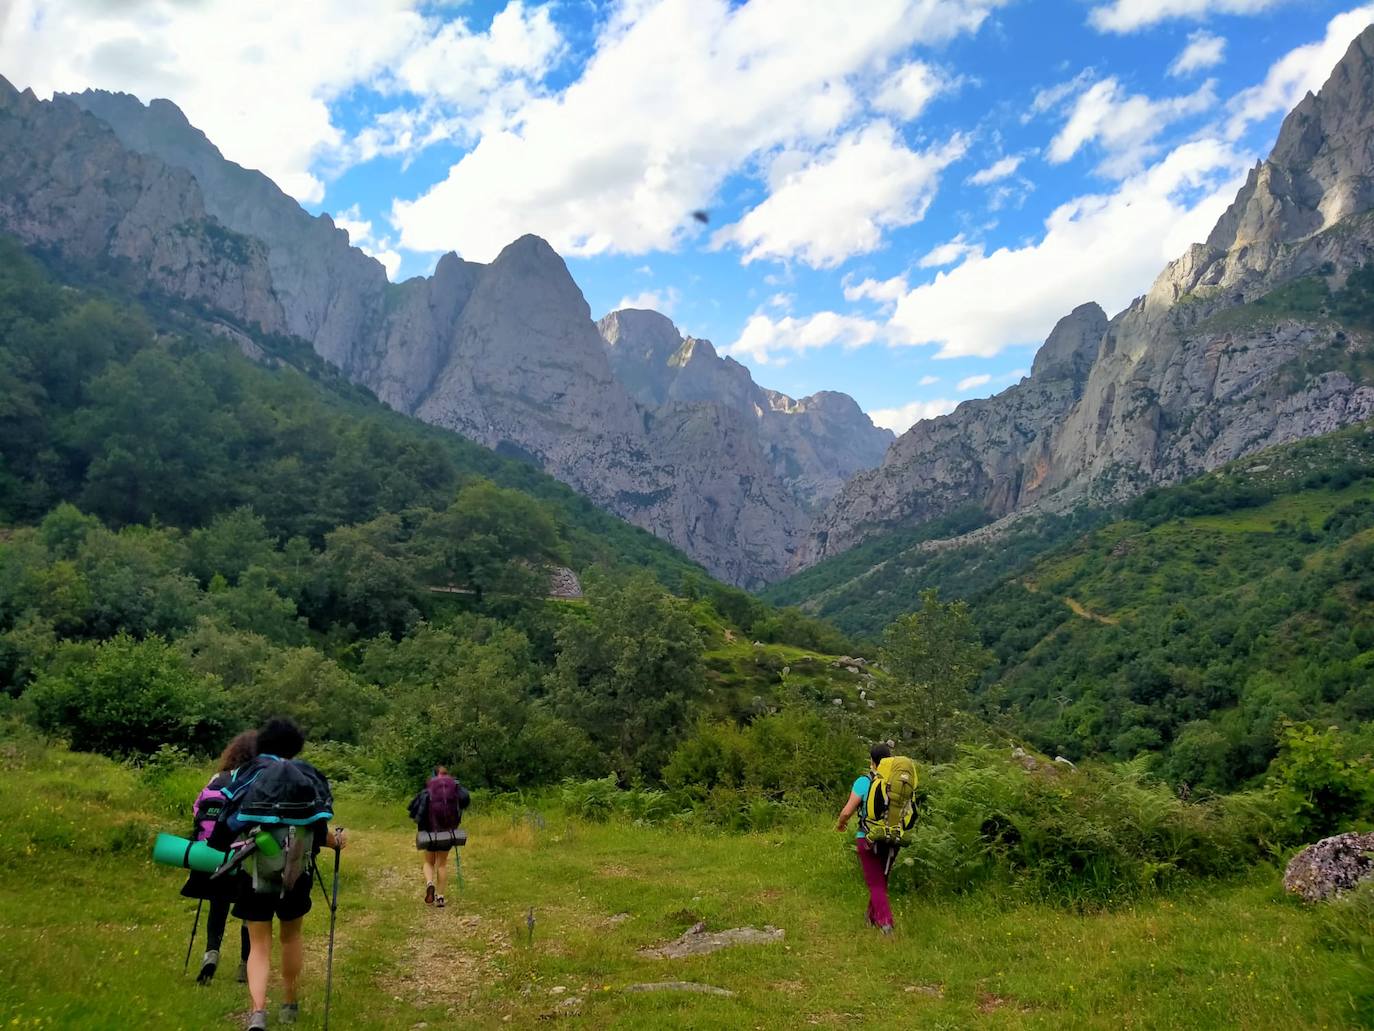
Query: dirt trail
{"points": [[1075, 606]]}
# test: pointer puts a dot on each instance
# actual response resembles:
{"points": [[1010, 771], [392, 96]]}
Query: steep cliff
{"points": [[504, 353], [813, 444], [68, 185], [1248, 340]]}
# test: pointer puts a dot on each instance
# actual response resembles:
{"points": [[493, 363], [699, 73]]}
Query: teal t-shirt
{"points": [[860, 788]]}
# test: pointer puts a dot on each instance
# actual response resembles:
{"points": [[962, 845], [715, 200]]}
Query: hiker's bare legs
{"points": [[440, 861], [259, 961], [292, 957], [429, 868]]}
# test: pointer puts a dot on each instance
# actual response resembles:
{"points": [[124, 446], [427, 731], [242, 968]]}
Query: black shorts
{"points": [[261, 906]]}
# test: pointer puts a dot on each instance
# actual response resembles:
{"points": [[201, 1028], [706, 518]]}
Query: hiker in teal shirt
{"points": [[873, 864]]}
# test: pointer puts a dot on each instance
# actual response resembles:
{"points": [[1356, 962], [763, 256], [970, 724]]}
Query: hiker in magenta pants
{"points": [[874, 863]]}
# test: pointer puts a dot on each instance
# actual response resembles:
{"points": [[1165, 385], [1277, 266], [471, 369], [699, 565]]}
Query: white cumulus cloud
{"points": [[908, 90], [1301, 70], [902, 418], [997, 171], [677, 96], [840, 204], [1130, 15], [1204, 50], [663, 301], [948, 253], [772, 341], [1106, 247], [1124, 125], [970, 382], [257, 76]]}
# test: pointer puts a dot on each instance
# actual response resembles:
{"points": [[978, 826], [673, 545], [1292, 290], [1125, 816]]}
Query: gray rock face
{"points": [[813, 445], [504, 353], [1185, 379], [992, 452], [67, 184]]}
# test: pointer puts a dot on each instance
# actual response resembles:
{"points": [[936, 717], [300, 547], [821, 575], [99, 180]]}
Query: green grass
{"points": [[92, 934]]}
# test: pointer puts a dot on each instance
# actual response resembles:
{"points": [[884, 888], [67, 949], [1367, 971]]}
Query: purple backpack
{"points": [[209, 804], [447, 800]]}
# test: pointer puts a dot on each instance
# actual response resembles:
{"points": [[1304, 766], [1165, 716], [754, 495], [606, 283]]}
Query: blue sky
{"points": [[904, 195]]}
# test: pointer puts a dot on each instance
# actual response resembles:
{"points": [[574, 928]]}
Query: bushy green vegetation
{"points": [[1200, 621], [863, 590], [140, 414], [196, 541], [80, 895]]}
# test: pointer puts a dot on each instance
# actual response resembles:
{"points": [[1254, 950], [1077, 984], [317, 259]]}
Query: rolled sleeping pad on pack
{"points": [[440, 841], [171, 850]]}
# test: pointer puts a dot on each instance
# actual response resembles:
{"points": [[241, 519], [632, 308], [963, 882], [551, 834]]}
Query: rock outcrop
{"points": [[1190, 376], [1330, 867], [505, 353], [814, 444], [69, 186]]}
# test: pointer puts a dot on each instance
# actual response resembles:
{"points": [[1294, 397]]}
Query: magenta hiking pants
{"points": [[879, 912]]}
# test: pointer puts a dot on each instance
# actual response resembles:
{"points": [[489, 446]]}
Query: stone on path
{"points": [[680, 986], [697, 941]]}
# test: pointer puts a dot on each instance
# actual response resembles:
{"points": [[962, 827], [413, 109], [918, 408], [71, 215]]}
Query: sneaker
{"points": [[242, 976], [257, 1020], [208, 966], [289, 1012], [429, 894], [886, 929], [439, 902]]}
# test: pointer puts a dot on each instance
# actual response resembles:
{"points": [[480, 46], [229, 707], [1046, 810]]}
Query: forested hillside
{"points": [[203, 527], [1212, 611]]}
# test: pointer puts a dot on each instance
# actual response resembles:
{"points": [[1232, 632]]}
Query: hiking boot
{"points": [[429, 894], [242, 976], [208, 966], [257, 1020], [289, 1012], [439, 901], [886, 929]]}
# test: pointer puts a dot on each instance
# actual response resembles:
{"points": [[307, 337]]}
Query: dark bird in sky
{"points": [[702, 216]]}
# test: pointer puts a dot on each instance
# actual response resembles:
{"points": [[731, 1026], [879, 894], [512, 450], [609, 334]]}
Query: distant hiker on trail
{"points": [[884, 798], [437, 810], [277, 817], [222, 891]]}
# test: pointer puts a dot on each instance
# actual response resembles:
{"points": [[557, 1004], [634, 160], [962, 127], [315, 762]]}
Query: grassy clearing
{"points": [[92, 935]]}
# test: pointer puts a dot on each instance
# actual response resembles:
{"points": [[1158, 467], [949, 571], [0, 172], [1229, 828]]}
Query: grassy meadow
{"points": [[92, 934]]}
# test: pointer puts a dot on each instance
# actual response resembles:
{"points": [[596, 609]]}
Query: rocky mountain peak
{"points": [[1072, 345], [1186, 379]]}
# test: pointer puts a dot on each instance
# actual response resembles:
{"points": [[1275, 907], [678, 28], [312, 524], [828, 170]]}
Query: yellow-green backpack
{"points": [[889, 811]]}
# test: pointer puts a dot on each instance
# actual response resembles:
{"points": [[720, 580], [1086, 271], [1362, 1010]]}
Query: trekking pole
{"points": [[192, 943], [333, 909]]}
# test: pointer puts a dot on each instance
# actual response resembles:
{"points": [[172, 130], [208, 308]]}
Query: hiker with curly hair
{"points": [[288, 801], [221, 892]]}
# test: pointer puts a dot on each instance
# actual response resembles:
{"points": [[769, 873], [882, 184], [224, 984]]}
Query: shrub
{"points": [[1323, 784], [1091, 837], [127, 697]]}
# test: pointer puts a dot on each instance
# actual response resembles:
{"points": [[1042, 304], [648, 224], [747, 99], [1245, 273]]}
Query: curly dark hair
{"points": [[238, 751], [280, 737]]}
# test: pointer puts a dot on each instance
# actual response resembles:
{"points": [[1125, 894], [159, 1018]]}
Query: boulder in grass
{"points": [[1331, 866]]}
